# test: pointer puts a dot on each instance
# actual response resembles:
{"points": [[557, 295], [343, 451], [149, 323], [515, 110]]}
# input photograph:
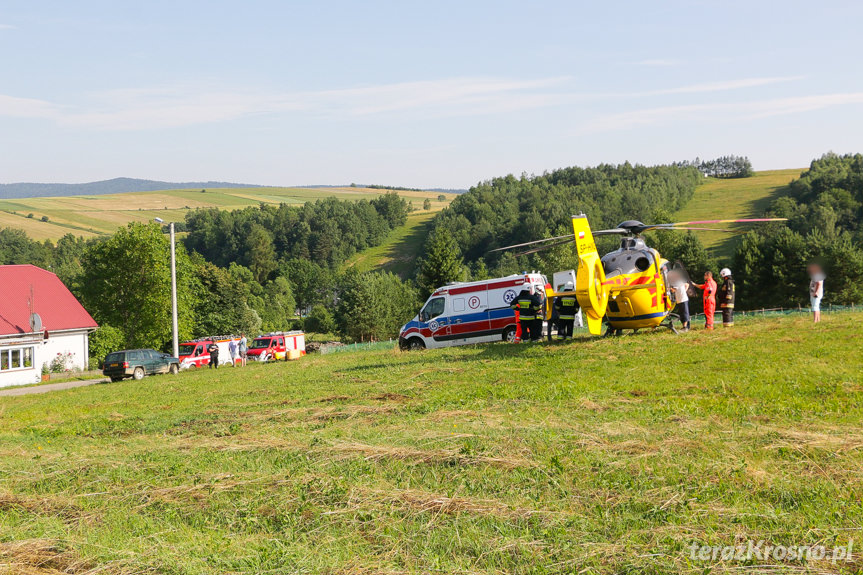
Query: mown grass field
{"points": [[732, 199], [596, 456], [400, 252], [90, 216]]}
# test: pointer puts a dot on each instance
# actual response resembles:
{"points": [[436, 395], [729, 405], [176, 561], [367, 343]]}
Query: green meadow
{"points": [[593, 456], [735, 198]]}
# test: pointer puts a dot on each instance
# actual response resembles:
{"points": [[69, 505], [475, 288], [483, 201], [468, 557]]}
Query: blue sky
{"points": [[433, 94]]}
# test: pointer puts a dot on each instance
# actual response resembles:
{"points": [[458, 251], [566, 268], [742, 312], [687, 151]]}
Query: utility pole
{"points": [[176, 342], [176, 348]]}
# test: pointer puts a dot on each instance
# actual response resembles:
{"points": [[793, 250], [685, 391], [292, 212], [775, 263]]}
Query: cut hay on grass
{"points": [[43, 557], [423, 502], [431, 456], [54, 506]]}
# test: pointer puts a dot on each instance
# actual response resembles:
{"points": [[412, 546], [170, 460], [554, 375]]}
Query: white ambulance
{"points": [[468, 312]]}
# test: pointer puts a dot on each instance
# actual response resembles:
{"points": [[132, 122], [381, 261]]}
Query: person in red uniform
{"points": [[709, 289]]}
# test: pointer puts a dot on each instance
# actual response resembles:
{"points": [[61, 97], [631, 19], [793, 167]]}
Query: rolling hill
{"points": [[93, 215], [733, 199]]}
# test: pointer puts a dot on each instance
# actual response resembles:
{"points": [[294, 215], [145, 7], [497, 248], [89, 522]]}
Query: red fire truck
{"points": [[194, 354]]}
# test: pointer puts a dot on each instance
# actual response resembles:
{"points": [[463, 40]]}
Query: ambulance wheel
{"points": [[416, 344], [193, 366], [509, 335]]}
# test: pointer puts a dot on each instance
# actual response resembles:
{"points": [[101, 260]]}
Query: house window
{"points": [[16, 358]]}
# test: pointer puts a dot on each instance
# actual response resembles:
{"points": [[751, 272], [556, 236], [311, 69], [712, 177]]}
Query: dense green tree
{"points": [[17, 248], [105, 340], [441, 262], [320, 320], [311, 283], [67, 259], [276, 305], [222, 303], [373, 306], [260, 253], [126, 283]]}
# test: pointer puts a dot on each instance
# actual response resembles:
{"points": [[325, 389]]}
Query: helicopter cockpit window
{"points": [[642, 263], [432, 309]]}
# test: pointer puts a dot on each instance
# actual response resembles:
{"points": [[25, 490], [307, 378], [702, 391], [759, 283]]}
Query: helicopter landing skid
{"points": [[669, 322]]}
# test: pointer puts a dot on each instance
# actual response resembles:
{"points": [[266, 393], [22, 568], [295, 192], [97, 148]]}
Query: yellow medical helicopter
{"points": [[628, 286]]}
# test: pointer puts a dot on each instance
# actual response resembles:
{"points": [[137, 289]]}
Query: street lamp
{"points": [[176, 343]]}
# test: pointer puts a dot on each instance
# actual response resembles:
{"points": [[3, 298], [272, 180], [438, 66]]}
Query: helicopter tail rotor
{"points": [[590, 291]]}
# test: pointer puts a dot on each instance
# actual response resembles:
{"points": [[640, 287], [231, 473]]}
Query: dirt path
{"points": [[49, 387]]}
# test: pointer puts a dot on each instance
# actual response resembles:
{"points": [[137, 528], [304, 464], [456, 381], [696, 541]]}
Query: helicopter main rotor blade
{"points": [[532, 243], [613, 231], [545, 247], [689, 228], [742, 221]]}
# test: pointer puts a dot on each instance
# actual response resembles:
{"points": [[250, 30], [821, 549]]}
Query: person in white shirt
{"points": [[816, 289], [680, 287], [235, 353]]}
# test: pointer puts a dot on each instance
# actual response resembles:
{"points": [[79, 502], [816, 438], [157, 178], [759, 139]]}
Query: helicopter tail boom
{"points": [[590, 291]]}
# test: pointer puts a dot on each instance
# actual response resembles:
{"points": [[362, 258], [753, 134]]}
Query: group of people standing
{"points": [[238, 349], [726, 296], [529, 306]]}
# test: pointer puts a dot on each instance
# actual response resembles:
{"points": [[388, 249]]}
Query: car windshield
{"points": [[187, 349], [433, 308], [260, 343], [113, 357]]}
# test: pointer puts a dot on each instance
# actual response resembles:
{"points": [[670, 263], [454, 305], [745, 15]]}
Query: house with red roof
{"points": [[41, 323]]}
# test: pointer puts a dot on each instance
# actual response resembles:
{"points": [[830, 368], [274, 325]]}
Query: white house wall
{"points": [[67, 342], [73, 342]]}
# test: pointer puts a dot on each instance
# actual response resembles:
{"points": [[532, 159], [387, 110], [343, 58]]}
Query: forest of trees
{"points": [[824, 208], [511, 210], [723, 167]]}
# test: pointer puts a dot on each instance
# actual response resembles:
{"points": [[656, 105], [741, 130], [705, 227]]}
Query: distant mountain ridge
{"points": [[114, 186], [126, 185]]}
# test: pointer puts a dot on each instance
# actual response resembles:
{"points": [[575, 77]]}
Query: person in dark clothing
{"points": [[726, 297], [528, 305], [213, 350], [554, 322], [540, 313], [567, 307]]}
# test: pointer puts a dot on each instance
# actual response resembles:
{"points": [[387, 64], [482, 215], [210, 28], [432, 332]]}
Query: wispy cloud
{"points": [[7, 27], [13, 107], [720, 112], [175, 107], [727, 85]]}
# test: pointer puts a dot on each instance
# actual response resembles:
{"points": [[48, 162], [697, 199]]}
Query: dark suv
{"points": [[137, 363]]}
